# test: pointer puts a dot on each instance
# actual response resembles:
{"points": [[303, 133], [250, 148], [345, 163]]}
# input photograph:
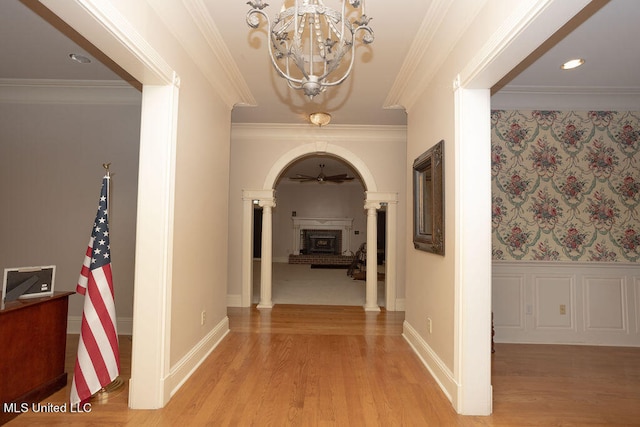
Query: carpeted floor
{"points": [[300, 284]]}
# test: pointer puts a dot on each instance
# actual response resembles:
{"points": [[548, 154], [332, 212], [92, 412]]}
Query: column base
{"points": [[373, 308], [264, 305]]}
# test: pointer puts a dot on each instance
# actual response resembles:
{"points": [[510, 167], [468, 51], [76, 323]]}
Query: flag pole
{"points": [[107, 174], [115, 386], [96, 373]]}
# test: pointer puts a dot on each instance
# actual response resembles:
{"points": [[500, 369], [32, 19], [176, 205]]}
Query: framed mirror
{"points": [[428, 200]]}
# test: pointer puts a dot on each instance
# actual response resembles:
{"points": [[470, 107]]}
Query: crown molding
{"points": [[305, 132], [421, 45], [571, 90], [444, 25], [47, 91], [580, 98], [192, 25]]}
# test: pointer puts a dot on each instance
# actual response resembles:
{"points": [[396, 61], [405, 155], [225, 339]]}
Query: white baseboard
{"points": [[185, 367], [124, 325], [439, 371]]}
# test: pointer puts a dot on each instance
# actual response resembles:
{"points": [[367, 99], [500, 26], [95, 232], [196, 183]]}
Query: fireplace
{"points": [[330, 235], [321, 242]]}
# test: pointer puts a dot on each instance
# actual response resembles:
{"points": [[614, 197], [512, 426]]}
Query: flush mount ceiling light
{"points": [[79, 58], [320, 119], [574, 63], [310, 41]]}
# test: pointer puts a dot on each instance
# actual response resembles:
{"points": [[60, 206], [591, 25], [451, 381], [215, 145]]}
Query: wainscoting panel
{"points": [[507, 289], [605, 303], [591, 303], [554, 297]]}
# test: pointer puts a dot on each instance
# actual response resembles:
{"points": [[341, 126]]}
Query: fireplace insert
{"points": [[321, 242]]}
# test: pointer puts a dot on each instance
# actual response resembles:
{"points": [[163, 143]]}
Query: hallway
{"points": [[341, 366]]}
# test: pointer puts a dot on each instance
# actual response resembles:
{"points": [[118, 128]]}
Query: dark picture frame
{"points": [[428, 200], [28, 282]]}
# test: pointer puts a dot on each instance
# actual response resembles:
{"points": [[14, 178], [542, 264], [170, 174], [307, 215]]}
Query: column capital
{"points": [[380, 197], [267, 203], [371, 205], [257, 194]]}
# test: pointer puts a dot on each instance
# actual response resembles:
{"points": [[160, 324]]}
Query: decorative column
{"points": [[266, 256], [391, 255], [371, 298], [247, 250]]}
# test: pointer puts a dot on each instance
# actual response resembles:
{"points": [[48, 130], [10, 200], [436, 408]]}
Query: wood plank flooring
{"points": [[340, 366]]}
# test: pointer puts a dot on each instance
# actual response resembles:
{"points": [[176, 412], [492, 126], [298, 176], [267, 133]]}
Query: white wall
{"points": [[53, 142]]}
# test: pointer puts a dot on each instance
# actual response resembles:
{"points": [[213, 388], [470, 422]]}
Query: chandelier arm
{"points": [[341, 79], [254, 23], [351, 62]]}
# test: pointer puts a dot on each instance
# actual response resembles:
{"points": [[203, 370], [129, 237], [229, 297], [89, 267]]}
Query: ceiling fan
{"points": [[322, 178]]}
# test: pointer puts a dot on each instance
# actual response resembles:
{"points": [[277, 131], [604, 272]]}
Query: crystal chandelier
{"points": [[311, 42]]}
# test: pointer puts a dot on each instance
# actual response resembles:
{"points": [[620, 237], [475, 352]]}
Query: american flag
{"points": [[98, 360]]}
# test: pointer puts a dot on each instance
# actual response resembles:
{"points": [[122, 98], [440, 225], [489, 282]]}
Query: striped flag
{"points": [[98, 360]]}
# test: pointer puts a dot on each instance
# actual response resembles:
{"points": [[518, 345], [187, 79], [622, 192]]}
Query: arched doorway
{"points": [[373, 201], [318, 226]]}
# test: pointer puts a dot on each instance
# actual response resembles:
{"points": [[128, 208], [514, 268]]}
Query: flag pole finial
{"points": [[106, 168]]}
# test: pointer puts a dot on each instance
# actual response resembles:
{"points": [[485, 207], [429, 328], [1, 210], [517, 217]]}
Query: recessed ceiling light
{"points": [[574, 63], [79, 58]]}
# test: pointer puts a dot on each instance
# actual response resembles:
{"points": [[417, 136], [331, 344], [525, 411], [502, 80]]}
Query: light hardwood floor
{"points": [[329, 365]]}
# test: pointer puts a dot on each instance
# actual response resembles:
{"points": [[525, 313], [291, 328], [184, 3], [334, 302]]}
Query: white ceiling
{"points": [[608, 41]]}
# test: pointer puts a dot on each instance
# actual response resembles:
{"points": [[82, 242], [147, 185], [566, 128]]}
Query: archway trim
{"points": [[320, 147]]}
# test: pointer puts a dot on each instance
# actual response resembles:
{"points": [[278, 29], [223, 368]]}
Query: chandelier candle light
{"points": [[309, 41]]}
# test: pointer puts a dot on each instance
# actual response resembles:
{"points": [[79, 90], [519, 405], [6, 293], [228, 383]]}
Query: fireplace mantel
{"points": [[300, 224]]}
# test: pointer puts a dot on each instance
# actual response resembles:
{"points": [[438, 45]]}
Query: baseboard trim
{"points": [[439, 371], [185, 367]]}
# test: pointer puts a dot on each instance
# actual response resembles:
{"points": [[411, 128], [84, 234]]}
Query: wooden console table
{"points": [[33, 337]]}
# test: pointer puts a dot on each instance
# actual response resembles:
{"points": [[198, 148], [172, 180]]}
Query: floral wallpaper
{"points": [[565, 185]]}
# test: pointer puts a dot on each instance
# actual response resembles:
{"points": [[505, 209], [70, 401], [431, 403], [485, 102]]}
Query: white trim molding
{"points": [[429, 358], [205, 46], [187, 365], [83, 92], [588, 303], [92, 18], [567, 98]]}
